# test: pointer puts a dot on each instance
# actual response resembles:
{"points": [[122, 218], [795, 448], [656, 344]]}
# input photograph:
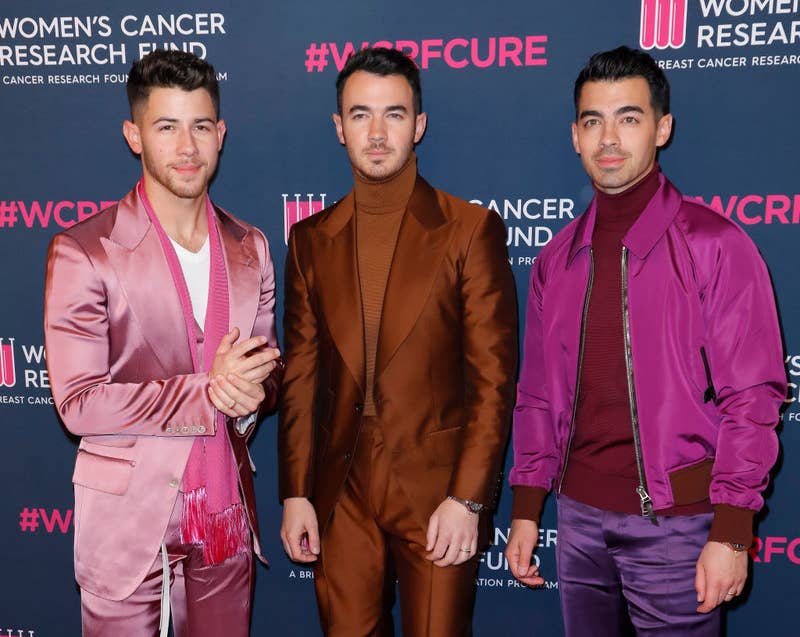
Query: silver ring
{"points": [[731, 594]]}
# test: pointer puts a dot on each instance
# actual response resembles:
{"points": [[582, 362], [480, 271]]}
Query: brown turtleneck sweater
{"points": [[380, 206], [601, 470]]}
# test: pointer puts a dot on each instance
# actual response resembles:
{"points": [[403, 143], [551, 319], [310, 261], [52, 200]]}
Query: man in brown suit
{"points": [[401, 346]]}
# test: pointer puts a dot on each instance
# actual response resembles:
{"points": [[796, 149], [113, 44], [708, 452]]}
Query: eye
{"points": [[395, 115], [202, 128], [166, 127], [358, 116], [630, 119], [588, 123]]}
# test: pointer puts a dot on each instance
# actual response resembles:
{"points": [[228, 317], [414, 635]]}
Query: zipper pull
{"points": [[647, 504]]}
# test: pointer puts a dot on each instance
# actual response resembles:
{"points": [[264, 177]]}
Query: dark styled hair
{"points": [[381, 61], [622, 63], [170, 69]]}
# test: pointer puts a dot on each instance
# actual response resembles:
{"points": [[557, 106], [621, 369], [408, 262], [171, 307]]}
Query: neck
{"points": [[620, 210], [388, 195], [183, 219]]}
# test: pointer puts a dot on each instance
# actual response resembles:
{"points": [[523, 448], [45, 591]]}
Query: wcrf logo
{"points": [[8, 371], [663, 24], [299, 208]]}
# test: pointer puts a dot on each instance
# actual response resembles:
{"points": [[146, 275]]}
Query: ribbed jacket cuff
{"points": [[528, 503], [731, 524]]}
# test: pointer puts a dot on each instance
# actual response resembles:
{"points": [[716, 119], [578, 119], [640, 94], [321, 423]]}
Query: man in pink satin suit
{"points": [[161, 348]]}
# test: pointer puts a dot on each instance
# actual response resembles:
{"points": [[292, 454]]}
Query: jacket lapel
{"points": [[421, 244], [135, 253], [339, 291], [244, 278]]}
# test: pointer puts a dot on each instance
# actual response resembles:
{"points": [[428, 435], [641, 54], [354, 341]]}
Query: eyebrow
{"points": [[174, 120], [388, 109], [620, 111]]}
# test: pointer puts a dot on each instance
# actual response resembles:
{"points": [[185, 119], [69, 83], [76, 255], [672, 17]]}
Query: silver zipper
{"points": [[580, 365], [644, 497]]}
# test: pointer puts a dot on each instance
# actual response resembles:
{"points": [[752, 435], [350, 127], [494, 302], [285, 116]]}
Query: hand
{"points": [[299, 530], [452, 534], [249, 360], [720, 571], [234, 396], [522, 541]]}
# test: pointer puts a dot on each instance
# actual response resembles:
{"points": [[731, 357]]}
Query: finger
{"points": [[451, 554], [433, 532], [258, 374], [313, 539], [249, 344], [524, 558], [224, 390], [245, 396], [245, 388], [700, 583], [228, 340], [247, 363], [220, 403]]}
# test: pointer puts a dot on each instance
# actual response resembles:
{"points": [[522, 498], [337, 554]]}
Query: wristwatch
{"points": [[736, 547], [472, 507]]}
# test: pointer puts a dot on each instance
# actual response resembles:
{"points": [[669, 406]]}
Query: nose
{"points": [[377, 130], [609, 137], [186, 142]]}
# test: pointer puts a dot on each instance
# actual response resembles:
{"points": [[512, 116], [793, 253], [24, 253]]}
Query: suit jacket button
{"points": [[174, 483], [201, 429], [359, 408], [348, 456]]}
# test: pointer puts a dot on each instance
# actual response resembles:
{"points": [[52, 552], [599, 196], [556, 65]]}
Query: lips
{"points": [[609, 161], [186, 168]]}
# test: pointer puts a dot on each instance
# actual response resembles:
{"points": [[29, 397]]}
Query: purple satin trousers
{"points": [[206, 601], [619, 574]]}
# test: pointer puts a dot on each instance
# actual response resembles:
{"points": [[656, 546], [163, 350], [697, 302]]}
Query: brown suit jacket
{"points": [[446, 358]]}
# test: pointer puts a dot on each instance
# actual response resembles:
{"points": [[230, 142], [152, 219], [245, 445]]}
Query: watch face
{"points": [[474, 506]]}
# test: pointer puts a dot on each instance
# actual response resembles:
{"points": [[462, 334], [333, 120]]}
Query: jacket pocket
{"points": [[102, 473], [690, 484]]}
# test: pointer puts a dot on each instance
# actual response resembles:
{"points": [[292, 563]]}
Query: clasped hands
{"points": [[239, 369]]}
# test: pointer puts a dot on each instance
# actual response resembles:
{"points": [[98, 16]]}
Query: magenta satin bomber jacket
{"points": [[703, 353]]}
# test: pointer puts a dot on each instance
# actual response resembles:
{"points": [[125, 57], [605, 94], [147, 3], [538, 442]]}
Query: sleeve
{"points": [[536, 456], [295, 422], [264, 326], [489, 327], [77, 342], [745, 356]]}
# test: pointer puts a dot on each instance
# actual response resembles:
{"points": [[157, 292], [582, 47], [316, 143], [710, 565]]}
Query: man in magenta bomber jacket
{"points": [[651, 382]]}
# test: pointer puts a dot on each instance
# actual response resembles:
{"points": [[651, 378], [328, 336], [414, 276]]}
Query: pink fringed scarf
{"points": [[213, 515]]}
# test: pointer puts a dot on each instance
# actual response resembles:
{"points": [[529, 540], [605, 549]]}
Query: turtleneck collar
{"points": [[619, 212], [389, 195]]}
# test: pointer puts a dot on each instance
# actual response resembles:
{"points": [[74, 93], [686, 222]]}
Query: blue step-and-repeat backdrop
{"points": [[497, 87]]}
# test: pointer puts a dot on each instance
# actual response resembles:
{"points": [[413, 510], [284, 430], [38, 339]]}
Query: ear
{"points": [[663, 130], [132, 135], [575, 144], [337, 122], [420, 124], [221, 130]]}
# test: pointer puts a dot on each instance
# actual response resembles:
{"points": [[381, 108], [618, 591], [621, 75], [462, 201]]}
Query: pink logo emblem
{"points": [[8, 376], [663, 24], [299, 209]]}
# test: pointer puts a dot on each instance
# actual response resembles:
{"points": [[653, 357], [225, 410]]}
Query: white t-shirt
{"points": [[196, 268]]}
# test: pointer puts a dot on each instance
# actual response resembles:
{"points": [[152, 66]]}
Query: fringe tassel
{"points": [[222, 535]]}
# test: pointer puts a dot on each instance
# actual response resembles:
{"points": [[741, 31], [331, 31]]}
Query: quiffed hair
{"points": [[381, 61], [622, 63], [171, 69]]}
